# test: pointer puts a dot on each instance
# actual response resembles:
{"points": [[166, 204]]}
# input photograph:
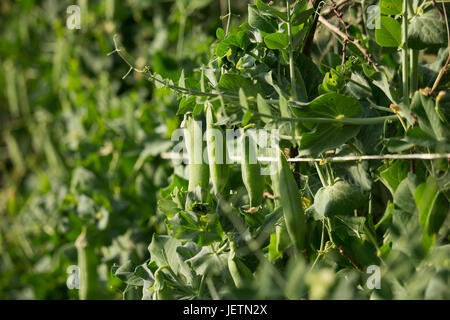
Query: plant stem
{"points": [[291, 51], [344, 121], [414, 70], [405, 59], [321, 245], [121, 51], [229, 18], [356, 42], [321, 175], [330, 174]]}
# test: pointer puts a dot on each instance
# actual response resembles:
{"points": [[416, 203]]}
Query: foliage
{"points": [[84, 176]]}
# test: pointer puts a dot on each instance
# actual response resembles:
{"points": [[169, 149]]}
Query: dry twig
{"points": [[356, 42], [339, 14]]}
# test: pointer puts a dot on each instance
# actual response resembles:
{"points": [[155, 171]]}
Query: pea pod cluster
{"points": [[251, 171], [291, 203], [198, 168], [217, 152]]}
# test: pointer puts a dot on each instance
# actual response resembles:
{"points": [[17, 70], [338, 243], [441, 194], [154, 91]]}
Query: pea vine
{"points": [[317, 223]]}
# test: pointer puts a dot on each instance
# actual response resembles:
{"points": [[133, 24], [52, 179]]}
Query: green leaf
{"points": [[243, 99], [391, 7], [390, 32], [284, 108], [332, 105], [342, 198], [323, 137], [427, 30], [220, 34], [276, 41], [326, 137], [168, 207], [403, 196], [163, 251], [381, 81], [263, 107], [310, 69], [261, 21], [429, 121], [299, 18], [433, 206], [208, 262], [394, 173], [234, 82], [419, 137], [264, 7], [186, 104], [203, 230], [247, 117]]}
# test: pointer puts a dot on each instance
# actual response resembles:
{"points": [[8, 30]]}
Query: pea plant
{"points": [[79, 148], [359, 180]]}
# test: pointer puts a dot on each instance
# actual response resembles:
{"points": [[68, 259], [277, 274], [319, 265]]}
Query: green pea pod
{"points": [[217, 153], [283, 239], [238, 270], [292, 205], [198, 169], [275, 177], [251, 171], [87, 262]]}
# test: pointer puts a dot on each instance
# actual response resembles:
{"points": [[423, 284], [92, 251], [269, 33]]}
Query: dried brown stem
{"points": [[341, 5], [339, 14]]}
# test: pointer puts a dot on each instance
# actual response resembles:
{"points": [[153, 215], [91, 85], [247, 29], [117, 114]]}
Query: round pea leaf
{"points": [[342, 198]]}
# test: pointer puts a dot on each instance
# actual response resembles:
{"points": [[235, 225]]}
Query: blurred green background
{"points": [[80, 147]]}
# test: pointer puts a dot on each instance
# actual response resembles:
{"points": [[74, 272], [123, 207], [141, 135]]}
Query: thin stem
{"points": [[321, 245], [329, 230], [441, 74], [291, 51], [414, 70], [344, 121], [121, 51], [416, 156], [321, 175], [229, 18], [330, 174], [405, 59], [356, 42]]}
